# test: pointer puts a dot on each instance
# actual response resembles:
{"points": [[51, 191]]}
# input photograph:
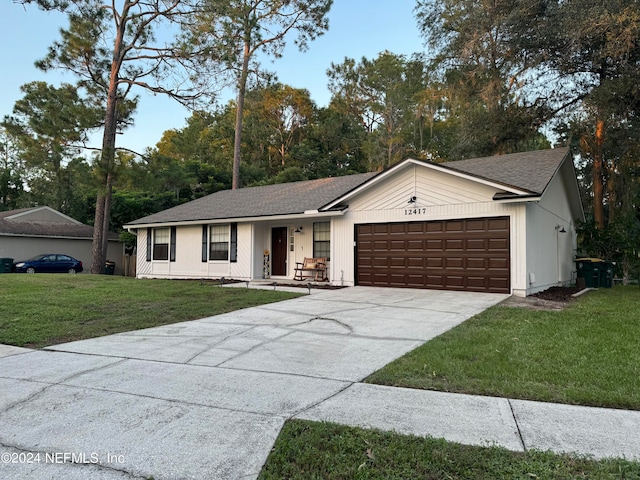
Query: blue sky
{"points": [[357, 28]]}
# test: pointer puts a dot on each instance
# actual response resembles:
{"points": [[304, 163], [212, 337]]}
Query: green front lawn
{"points": [[40, 310], [324, 451], [587, 354]]}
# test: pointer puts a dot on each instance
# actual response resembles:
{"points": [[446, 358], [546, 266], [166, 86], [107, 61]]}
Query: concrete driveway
{"points": [[206, 398]]}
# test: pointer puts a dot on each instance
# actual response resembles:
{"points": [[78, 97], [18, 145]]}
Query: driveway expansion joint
{"points": [[515, 420], [303, 410]]}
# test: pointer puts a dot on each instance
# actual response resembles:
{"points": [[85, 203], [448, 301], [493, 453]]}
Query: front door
{"points": [[279, 251]]}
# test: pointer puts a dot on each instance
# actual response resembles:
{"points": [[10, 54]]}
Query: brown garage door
{"points": [[469, 254]]}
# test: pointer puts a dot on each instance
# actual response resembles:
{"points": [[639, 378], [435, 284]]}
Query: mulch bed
{"points": [[557, 294]]}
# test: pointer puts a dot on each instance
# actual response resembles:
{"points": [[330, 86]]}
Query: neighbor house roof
{"points": [[521, 174], [269, 200], [29, 222]]}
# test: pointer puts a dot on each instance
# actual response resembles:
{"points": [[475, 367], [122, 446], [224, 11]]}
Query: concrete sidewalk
{"points": [[517, 425], [207, 398]]}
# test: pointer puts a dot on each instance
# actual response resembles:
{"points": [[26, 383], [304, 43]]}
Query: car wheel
{"points": [[72, 270], [31, 270]]}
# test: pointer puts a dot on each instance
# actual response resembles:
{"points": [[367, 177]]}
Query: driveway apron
{"points": [[207, 398]]}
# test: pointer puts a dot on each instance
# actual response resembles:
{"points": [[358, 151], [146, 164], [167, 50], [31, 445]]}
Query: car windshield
{"points": [[36, 258]]}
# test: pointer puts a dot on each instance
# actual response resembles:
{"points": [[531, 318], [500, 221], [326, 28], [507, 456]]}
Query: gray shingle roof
{"points": [[531, 171], [24, 227], [281, 199]]}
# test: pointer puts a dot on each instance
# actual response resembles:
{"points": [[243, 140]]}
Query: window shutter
{"points": [[205, 249], [233, 248], [149, 233], [172, 245]]}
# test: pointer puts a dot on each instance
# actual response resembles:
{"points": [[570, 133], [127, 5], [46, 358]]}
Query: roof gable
{"points": [[44, 222], [39, 214], [518, 175]]}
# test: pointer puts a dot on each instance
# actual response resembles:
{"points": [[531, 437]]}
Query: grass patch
{"points": [[586, 354], [41, 310], [309, 450]]}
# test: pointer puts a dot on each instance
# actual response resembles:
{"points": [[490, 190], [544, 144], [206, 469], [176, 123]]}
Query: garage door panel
{"points": [[454, 262], [380, 244], [397, 245], [469, 254], [454, 281], [415, 262], [415, 228], [475, 244], [453, 225], [454, 244], [435, 245], [498, 224], [415, 245], [498, 264], [498, 244], [396, 228], [476, 263], [434, 227]]}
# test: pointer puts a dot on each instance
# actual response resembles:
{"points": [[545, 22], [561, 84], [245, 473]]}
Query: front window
{"points": [[322, 240], [219, 242], [161, 243]]}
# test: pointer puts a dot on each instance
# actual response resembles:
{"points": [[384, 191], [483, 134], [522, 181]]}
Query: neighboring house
{"points": [[32, 231], [499, 224]]}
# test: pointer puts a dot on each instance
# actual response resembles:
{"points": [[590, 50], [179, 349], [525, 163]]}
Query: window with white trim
{"points": [[161, 237], [219, 242], [322, 240]]}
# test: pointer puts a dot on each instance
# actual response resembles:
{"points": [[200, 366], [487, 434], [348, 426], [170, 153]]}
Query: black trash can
{"points": [[606, 275], [6, 265], [590, 270], [109, 267]]}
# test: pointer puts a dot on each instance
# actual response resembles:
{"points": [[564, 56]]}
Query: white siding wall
{"points": [[242, 268], [430, 187], [143, 268], [261, 242], [550, 254], [189, 262]]}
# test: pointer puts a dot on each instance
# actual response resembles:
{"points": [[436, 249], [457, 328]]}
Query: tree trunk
{"points": [[597, 177], [107, 215], [107, 158], [237, 143], [97, 259], [611, 192]]}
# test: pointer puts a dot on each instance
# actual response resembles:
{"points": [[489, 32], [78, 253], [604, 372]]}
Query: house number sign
{"points": [[415, 211]]}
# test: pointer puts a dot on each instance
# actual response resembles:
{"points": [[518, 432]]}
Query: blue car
{"points": [[49, 263]]}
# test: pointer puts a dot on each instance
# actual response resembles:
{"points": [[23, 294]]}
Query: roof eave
{"points": [[294, 216], [533, 197]]}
